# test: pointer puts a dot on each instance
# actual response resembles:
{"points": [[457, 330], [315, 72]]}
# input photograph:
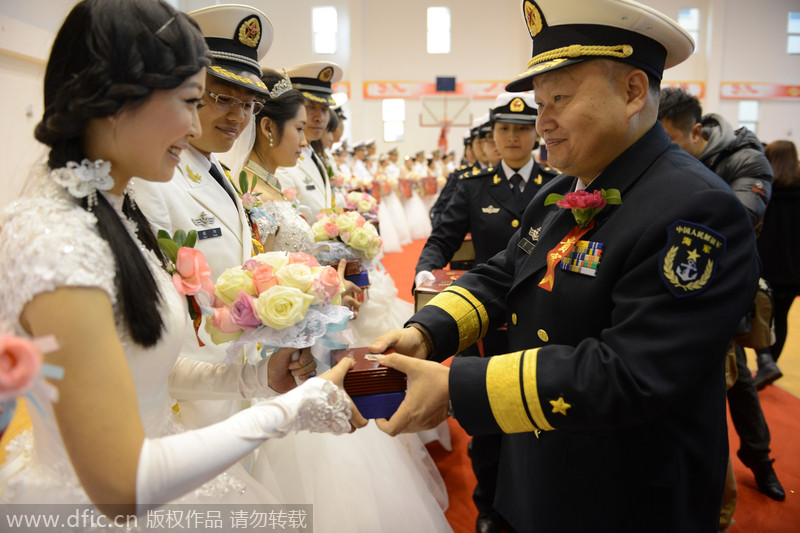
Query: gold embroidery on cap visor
{"points": [[533, 18], [578, 50], [250, 32], [224, 73], [517, 105], [468, 313]]}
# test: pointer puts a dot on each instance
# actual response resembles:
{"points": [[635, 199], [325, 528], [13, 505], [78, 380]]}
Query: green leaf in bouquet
{"points": [[169, 248], [163, 235], [191, 239], [243, 188], [254, 183], [179, 237]]}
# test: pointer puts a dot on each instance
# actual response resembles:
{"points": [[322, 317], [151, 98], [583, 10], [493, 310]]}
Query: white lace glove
{"points": [[198, 380], [174, 465], [423, 276]]}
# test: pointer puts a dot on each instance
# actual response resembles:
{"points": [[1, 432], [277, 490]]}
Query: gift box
{"points": [[376, 390], [425, 292]]}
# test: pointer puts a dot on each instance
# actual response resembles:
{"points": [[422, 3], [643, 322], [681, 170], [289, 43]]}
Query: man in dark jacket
{"points": [[737, 156]]}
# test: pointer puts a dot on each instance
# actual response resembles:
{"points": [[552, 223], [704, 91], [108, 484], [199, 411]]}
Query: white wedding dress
{"points": [[366, 481], [48, 241]]}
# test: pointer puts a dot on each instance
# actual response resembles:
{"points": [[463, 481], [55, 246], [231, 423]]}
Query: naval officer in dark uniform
{"points": [[612, 396]]}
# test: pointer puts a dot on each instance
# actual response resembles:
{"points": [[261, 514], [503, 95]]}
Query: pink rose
{"points": [[20, 363], [582, 200], [332, 229], [251, 265], [327, 284], [242, 312], [349, 205], [290, 194], [360, 221], [194, 274], [303, 258], [248, 201], [338, 181], [223, 322], [264, 278]]}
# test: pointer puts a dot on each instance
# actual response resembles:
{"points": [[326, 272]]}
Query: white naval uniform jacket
{"points": [[193, 200], [313, 191]]}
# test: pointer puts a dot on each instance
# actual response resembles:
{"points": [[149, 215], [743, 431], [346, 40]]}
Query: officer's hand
{"points": [[427, 399], [407, 341], [423, 276]]}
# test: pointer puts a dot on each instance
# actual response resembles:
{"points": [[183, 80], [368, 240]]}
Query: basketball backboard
{"points": [[441, 111]]}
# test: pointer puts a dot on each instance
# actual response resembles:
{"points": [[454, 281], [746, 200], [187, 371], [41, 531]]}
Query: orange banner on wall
{"points": [[415, 89], [758, 91], [695, 88], [342, 87]]}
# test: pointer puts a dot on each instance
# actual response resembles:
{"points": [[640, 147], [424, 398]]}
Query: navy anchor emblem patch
{"points": [[689, 258]]}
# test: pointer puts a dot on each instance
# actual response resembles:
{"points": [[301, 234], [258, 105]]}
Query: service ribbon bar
{"points": [[584, 258]]}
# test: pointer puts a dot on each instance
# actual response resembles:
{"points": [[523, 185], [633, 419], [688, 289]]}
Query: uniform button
{"points": [[514, 318], [543, 335], [515, 223]]}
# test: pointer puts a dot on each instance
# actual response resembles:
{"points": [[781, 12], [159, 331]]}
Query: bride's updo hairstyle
{"points": [[279, 109], [111, 55]]}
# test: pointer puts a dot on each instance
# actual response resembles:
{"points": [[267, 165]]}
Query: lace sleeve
{"points": [[318, 406], [47, 242]]}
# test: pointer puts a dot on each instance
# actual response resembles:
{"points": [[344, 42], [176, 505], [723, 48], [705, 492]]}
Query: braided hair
{"points": [[109, 55]]}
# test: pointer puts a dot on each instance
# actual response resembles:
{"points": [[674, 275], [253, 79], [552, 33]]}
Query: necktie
{"points": [[215, 173], [321, 168], [516, 192]]}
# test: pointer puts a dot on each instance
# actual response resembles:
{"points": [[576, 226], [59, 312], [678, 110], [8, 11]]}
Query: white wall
{"points": [[381, 40]]}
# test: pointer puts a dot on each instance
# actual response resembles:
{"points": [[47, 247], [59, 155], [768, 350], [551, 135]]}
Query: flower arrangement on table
{"points": [[22, 372], [279, 299]]}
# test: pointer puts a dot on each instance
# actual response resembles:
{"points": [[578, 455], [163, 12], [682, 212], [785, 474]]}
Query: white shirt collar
{"points": [[525, 171]]}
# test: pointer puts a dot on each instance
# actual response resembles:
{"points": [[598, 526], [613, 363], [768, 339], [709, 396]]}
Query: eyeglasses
{"points": [[226, 102]]}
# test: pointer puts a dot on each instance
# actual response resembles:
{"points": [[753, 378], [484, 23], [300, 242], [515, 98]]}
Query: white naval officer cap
{"points": [[565, 33], [238, 37], [315, 80]]}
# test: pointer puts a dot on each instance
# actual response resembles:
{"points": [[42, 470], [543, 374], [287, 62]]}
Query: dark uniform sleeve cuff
{"points": [[469, 397]]}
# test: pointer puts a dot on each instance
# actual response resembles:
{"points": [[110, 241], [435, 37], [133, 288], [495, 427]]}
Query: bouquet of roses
{"points": [[278, 299], [22, 372], [350, 228], [362, 202]]}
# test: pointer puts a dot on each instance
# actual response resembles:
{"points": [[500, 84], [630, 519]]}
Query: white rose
{"points": [[231, 282], [295, 275], [276, 259], [280, 307]]}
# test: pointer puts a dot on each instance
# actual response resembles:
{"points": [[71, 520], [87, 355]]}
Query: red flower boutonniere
{"points": [[585, 205]]}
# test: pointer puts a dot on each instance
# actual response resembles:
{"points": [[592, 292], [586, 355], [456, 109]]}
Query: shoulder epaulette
{"points": [[481, 173]]}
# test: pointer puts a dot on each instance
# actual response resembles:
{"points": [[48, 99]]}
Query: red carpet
{"points": [[755, 513]]}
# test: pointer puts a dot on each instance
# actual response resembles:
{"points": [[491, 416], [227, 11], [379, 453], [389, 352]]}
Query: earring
{"points": [[271, 144]]}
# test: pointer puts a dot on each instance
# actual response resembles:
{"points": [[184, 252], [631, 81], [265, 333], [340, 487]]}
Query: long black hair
{"points": [[109, 55]]}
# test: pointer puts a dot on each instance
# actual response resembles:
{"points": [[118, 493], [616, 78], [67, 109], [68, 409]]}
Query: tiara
{"points": [[281, 87]]}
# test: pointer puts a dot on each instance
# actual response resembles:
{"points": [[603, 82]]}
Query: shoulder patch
{"points": [[690, 257], [485, 173]]}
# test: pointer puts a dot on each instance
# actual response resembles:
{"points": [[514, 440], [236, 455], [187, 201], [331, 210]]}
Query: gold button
{"points": [[543, 335], [514, 318], [514, 223]]}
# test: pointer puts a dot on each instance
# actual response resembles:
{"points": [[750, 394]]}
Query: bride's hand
{"points": [[336, 375], [352, 293]]}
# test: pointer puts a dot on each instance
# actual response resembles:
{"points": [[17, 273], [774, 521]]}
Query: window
{"points": [[438, 30], [324, 25], [793, 28], [394, 116], [689, 20], [748, 115]]}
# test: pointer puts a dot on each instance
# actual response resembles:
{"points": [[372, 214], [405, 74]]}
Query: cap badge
{"points": [[326, 74], [250, 32], [533, 17], [517, 105]]}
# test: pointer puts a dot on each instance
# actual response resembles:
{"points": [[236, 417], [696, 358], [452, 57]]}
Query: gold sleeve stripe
{"points": [[480, 310], [504, 390], [530, 385]]}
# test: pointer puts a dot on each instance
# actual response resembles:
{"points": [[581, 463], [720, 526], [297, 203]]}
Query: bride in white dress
{"points": [[79, 262], [367, 481]]}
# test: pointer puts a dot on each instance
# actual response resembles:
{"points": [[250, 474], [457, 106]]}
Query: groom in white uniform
{"points": [[200, 197]]}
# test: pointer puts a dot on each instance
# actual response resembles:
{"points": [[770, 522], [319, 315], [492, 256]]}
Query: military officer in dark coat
{"points": [[621, 292], [486, 203]]}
